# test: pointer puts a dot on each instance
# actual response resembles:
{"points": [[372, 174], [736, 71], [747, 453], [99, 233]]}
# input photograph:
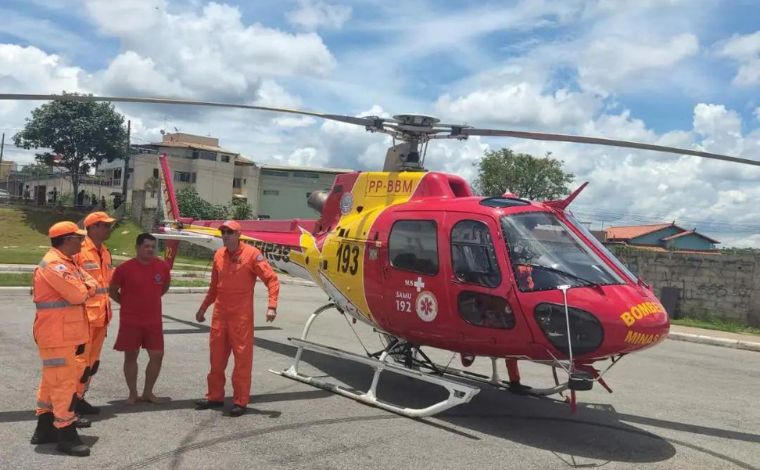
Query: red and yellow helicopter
{"points": [[417, 256]]}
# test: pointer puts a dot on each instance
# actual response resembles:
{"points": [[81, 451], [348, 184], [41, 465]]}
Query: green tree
{"points": [[240, 210], [75, 135], [192, 205], [35, 170], [526, 176]]}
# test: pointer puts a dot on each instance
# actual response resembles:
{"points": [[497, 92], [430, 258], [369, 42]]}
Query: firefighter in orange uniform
{"points": [[236, 267], [95, 259], [61, 331]]}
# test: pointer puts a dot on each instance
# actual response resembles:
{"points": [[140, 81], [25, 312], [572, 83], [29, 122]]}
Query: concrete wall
{"points": [[726, 286]]}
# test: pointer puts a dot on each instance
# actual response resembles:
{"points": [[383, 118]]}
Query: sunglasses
{"points": [[227, 232]]}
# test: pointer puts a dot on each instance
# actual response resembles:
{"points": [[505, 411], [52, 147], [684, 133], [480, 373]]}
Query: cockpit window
{"points": [[472, 254], [545, 254]]}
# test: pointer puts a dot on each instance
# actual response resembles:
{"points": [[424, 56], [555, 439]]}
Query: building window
{"points": [[305, 174], [275, 173], [155, 172], [184, 176], [413, 246], [225, 158], [271, 192], [472, 254], [236, 183]]}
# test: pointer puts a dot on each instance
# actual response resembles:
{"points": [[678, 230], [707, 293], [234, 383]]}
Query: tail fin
{"points": [[167, 188], [170, 205]]}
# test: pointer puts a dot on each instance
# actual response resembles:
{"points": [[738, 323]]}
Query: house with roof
{"points": [[661, 237]]}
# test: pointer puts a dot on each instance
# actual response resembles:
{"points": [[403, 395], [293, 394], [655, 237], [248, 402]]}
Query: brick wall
{"points": [[726, 286]]}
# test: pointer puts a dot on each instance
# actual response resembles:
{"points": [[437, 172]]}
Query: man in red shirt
{"points": [[137, 285], [233, 276]]}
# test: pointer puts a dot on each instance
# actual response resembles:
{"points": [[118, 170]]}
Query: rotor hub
{"points": [[416, 120]]}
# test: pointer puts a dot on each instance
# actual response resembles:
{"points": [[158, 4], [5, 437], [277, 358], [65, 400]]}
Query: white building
{"points": [[218, 175]]}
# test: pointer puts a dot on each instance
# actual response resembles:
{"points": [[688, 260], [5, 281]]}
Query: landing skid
{"points": [[458, 393]]}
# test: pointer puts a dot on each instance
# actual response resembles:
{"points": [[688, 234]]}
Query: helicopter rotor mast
{"points": [[413, 130]]}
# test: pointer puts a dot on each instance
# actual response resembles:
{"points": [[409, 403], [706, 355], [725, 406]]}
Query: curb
{"points": [[711, 340]]}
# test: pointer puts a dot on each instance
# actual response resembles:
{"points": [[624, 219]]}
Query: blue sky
{"points": [[674, 72]]}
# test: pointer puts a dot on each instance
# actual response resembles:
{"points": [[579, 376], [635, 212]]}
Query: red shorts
{"points": [[133, 337]]}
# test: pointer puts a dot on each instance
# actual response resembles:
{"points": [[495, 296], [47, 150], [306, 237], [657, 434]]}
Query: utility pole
{"points": [[125, 171], [2, 147]]}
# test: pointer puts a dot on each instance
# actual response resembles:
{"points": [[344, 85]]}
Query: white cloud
{"points": [[211, 53], [314, 14], [519, 104], [745, 50], [125, 16], [130, 74], [609, 63]]}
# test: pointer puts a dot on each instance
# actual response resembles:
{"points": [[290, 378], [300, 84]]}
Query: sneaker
{"points": [[206, 404], [237, 410], [84, 408]]}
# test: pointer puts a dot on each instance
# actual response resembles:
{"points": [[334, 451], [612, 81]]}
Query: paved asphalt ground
{"points": [[678, 405]]}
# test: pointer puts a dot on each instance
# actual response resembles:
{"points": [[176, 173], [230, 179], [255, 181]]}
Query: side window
{"points": [[413, 246], [485, 310], [472, 254]]}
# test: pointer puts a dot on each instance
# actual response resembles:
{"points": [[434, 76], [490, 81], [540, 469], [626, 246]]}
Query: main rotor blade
{"points": [[120, 99], [601, 141]]}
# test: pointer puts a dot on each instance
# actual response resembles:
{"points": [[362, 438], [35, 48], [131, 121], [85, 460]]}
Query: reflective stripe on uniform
{"points": [[55, 304], [54, 362], [44, 405], [65, 420], [91, 266], [101, 290]]}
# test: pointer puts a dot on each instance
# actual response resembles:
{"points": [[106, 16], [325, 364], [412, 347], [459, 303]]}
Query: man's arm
{"points": [[113, 291], [200, 315], [67, 283], [264, 272], [115, 285], [168, 277]]}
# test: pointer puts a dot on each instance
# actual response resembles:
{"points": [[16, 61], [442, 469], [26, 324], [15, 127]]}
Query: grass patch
{"points": [[25, 280], [715, 323], [24, 240], [16, 279], [190, 283]]}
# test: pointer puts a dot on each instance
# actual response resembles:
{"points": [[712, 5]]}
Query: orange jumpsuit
{"points": [[61, 330], [98, 264], [232, 281]]}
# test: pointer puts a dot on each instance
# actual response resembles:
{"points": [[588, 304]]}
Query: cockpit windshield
{"points": [[545, 254]]}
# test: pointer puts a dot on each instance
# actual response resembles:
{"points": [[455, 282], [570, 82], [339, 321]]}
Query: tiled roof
{"points": [[689, 232], [633, 231]]}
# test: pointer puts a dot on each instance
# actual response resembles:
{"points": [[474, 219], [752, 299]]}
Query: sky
{"points": [[683, 73]]}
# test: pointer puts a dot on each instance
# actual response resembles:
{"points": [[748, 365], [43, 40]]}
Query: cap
{"points": [[65, 228], [230, 225], [96, 217]]}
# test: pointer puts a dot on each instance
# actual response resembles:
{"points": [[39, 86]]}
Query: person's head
{"points": [[66, 237], [145, 247], [99, 225], [230, 230]]}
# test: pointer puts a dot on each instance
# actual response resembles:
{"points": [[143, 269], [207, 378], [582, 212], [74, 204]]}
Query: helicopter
{"points": [[419, 258]]}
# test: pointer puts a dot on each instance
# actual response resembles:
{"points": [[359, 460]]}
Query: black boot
{"points": [[70, 443], [82, 422], [45, 432], [84, 408]]}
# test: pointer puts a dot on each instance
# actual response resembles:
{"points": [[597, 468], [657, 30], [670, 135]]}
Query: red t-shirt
{"points": [[141, 287]]}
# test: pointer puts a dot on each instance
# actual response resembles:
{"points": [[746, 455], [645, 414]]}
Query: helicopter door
{"points": [[412, 285], [480, 292]]}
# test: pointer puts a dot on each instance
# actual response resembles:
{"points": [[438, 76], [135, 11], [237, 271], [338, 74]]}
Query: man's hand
{"points": [[200, 315], [271, 314]]}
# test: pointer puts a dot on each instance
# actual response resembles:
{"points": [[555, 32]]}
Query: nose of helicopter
{"points": [[639, 322]]}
